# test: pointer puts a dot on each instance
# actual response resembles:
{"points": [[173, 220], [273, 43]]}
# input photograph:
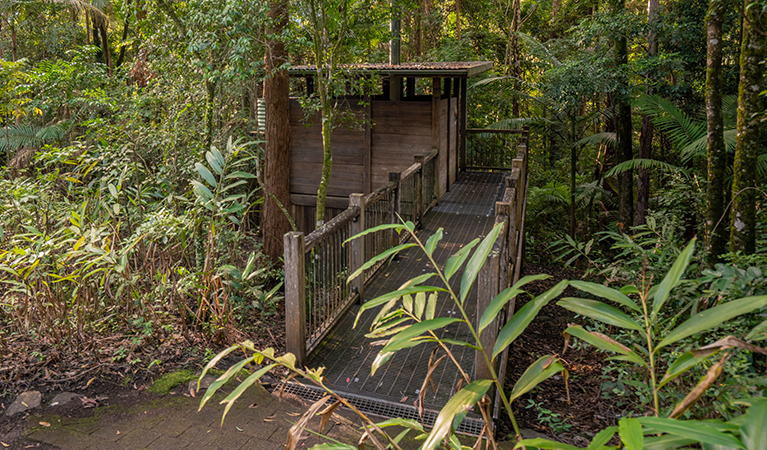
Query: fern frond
{"points": [[538, 49], [681, 128], [14, 137], [647, 164]]}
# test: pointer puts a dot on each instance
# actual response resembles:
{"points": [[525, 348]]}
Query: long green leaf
{"points": [[220, 381], [237, 392], [519, 321], [503, 298], [602, 438], [202, 191], [381, 299], [432, 242], [606, 292], [379, 257], [455, 261], [666, 442], [599, 311], [684, 363], [398, 227], [334, 446], [545, 444], [672, 278], [477, 260], [753, 430], [631, 433], [459, 403], [538, 371], [691, 429], [205, 174], [213, 163], [415, 330], [605, 343], [713, 317]]}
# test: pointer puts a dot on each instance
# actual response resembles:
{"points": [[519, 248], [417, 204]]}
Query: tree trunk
{"points": [[573, 173], [105, 48], [124, 37], [516, 64], [274, 223], [716, 240], [743, 215], [458, 20], [327, 155], [623, 127], [210, 88], [645, 138]]}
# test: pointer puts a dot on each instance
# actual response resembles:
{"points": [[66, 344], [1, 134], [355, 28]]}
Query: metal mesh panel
{"points": [[429, 180], [408, 197], [472, 425], [378, 212], [327, 294], [491, 150]]}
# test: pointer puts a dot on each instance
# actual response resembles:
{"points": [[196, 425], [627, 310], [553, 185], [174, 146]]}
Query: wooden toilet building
{"points": [[420, 108]]}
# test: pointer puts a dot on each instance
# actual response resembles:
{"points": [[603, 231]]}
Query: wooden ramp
{"points": [[464, 213]]}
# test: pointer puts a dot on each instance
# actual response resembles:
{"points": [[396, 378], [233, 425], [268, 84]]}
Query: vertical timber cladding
{"points": [[453, 132], [306, 155], [400, 131]]}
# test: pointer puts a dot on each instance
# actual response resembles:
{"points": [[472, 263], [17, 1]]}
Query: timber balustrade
{"points": [[317, 265], [493, 149], [504, 265]]}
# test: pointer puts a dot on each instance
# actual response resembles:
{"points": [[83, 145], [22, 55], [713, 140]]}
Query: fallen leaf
{"points": [[404, 399], [253, 406], [191, 392], [238, 428], [45, 424], [294, 414], [118, 431], [90, 381], [5, 445]]}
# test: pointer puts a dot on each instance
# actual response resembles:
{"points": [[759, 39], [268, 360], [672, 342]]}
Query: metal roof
{"points": [[455, 69]]}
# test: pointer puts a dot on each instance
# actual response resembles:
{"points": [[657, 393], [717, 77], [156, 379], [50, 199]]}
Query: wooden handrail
{"points": [[325, 230]]}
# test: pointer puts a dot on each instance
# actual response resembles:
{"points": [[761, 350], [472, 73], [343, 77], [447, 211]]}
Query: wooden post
{"points": [[357, 246], [367, 148], [295, 296], [487, 289], [436, 131], [463, 98], [419, 191], [394, 177], [503, 211]]}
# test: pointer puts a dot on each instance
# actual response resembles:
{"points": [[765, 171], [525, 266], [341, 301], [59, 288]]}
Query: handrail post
{"points": [[419, 191], [357, 246], [487, 289], [295, 296], [394, 177]]}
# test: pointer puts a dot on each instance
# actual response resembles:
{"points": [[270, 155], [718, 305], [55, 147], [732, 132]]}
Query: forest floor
{"points": [[101, 378]]}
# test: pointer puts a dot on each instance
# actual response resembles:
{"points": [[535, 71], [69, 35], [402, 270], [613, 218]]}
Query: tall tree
{"points": [[743, 214], [645, 138], [623, 125], [716, 240], [277, 134]]}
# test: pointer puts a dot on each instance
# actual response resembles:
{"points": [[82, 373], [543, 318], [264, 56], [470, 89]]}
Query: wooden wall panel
{"points": [[453, 139], [400, 131], [442, 160], [347, 175]]}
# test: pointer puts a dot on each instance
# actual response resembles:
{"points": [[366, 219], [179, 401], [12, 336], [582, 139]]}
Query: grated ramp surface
{"points": [[465, 213]]}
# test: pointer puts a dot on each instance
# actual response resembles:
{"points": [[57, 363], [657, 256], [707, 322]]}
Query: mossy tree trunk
{"points": [[716, 240], [645, 138], [743, 214], [623, 125]]}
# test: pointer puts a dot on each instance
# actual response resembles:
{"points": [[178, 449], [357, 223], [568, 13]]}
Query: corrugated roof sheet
{"points": [[457, 69]]}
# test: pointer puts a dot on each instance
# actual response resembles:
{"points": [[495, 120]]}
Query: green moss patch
{"points": [[171, 380]]}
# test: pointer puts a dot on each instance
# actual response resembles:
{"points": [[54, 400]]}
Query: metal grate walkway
{"points": [[465, 212]]}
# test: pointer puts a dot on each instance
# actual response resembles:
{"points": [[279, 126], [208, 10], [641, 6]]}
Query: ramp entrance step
{"points": [[472, 425]]}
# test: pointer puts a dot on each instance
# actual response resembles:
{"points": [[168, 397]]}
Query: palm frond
{"points": [[761, 165], [538, 49], [647, 164], [14, 137], [605, 138], [698, 148]]}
